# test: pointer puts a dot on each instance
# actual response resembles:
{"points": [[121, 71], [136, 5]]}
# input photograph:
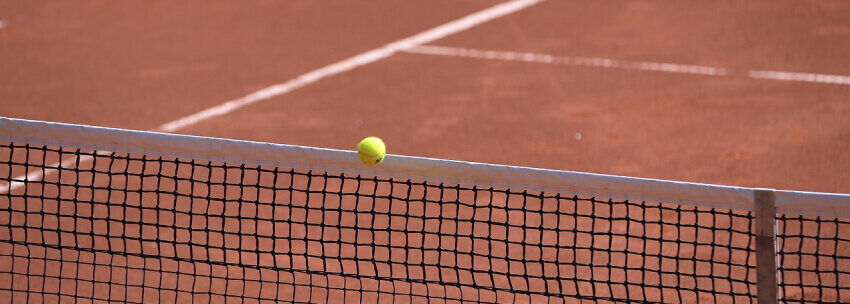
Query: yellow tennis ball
{"points": [[371, 150]]}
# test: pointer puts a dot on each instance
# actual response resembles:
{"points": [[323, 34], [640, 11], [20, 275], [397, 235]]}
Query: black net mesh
{"points": [[814, 258], [98, 226]]}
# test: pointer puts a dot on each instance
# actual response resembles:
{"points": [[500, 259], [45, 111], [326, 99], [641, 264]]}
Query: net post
{"points": [[766, 277]]}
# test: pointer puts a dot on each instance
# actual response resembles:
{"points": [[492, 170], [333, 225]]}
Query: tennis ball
{"points": [[371, 150]]}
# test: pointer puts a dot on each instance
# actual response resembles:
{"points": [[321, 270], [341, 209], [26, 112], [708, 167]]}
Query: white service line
{"points": [[353, 62], [804, 77], [630, 65], [311, 77], [2, 23], [577, 61]]}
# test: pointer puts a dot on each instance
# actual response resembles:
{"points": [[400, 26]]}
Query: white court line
{"points": [[578, 61], [630, 65], [39, 174], [330, 70], [804, 77], [2, 23], [353, 62]]}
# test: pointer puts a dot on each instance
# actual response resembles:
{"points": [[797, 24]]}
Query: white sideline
{"points": [[416, 168], [324, 72], [353, 62]]}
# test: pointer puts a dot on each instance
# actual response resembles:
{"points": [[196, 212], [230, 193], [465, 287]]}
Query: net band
{"points": [[417, 168]]}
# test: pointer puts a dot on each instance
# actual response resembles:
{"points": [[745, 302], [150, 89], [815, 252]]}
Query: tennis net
{"points": [[93, 214]]}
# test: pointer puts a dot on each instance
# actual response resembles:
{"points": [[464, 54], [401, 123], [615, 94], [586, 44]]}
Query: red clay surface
{"points": [[727, 130], [138, 65]]}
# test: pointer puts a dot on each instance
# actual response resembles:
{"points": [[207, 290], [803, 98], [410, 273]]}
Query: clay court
{"points": [[752, 94], [139, 66]]}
